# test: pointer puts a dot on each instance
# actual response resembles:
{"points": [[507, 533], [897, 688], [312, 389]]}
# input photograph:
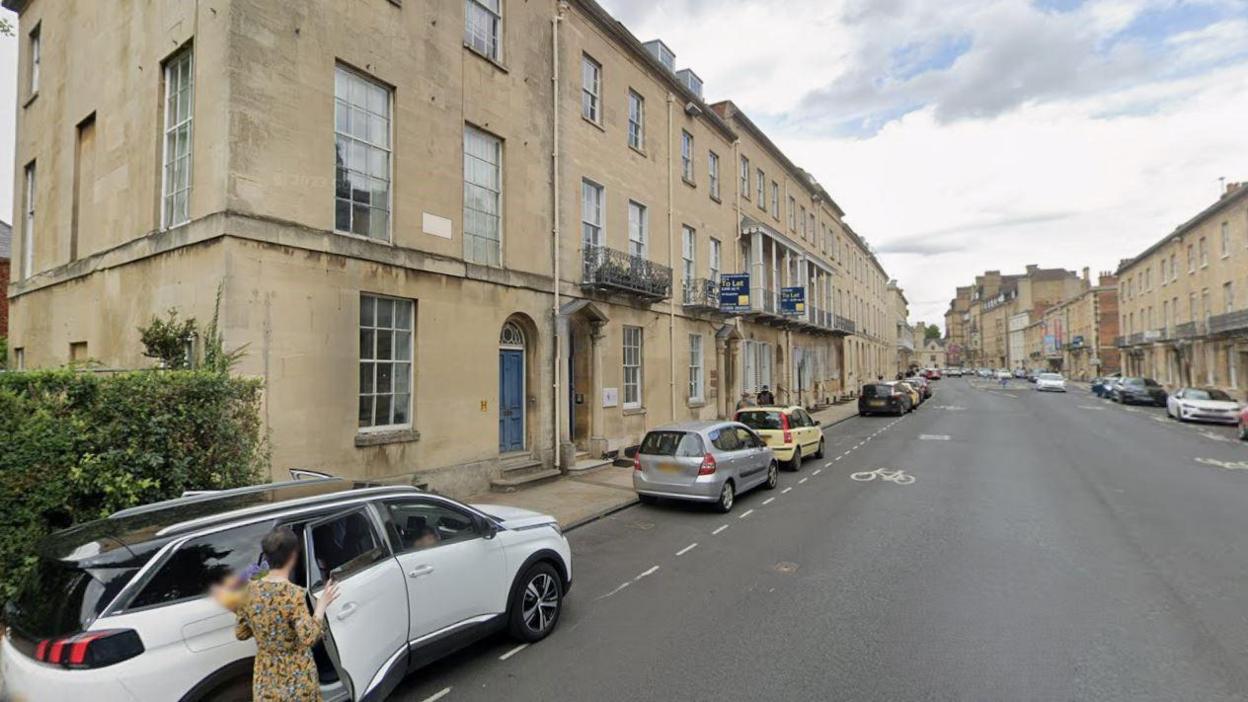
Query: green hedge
{"points": [[76, 446]]}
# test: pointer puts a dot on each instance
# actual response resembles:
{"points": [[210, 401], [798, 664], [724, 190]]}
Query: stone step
{"points": [[516, 480], [520, 465], [585, 465]]}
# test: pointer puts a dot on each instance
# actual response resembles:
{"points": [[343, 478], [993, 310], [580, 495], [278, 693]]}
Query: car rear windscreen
{"points": [[671, 443], [59, 598], [877, 390], [759, 420]]}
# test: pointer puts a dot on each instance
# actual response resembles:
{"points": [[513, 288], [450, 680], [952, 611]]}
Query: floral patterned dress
{"points": [[275, 612]]}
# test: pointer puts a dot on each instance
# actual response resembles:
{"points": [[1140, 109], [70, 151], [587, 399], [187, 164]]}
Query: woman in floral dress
{"points": [[274, 611]]}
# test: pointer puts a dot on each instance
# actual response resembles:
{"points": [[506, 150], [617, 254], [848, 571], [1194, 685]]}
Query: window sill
{"points": [[716, 199], [383, 437], [640, 152], [493, 62], [632, 411], [596, 124], [30, 99], [361, 237], [688, 182], [697, 404]]}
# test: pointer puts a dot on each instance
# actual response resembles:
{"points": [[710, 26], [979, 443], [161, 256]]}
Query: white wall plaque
{"points": [[610, 397], [437, 226]]}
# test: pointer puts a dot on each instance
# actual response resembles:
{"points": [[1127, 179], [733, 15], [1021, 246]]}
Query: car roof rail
{"points": [[192, 496], [297, 474]]}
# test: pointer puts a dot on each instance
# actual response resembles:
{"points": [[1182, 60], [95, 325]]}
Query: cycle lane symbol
{"points": [[898, 477]]}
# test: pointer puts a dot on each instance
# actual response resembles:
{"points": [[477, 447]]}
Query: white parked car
{"points": [[1050, 382], [1203, 404], [1002, 374], [118, 609]]}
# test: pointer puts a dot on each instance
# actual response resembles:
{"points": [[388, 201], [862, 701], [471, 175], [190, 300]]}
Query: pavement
{"points": [[1033, 546], [575, 500]]}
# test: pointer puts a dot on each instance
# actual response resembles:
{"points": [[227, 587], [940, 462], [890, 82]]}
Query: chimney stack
{"points": [[1232, 188], [1087, 275], [1032, 268]]}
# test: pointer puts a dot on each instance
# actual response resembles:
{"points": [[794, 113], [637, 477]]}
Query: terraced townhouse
{"points": [[461, 242], [1184, 300]]}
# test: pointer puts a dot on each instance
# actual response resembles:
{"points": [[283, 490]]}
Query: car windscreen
{"points": [[59, 598], [1215, 395], [881, 390], [759, 420], [671, 443], [1049, 376]]}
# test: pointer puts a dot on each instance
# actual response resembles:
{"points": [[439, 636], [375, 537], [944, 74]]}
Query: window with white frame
{"points": [[757, 364], [686, 155], [591, 90], [744, 186], [179, 77], [1226, 239], [636, 120], [35, 44], [592, 196], [792, 213], [28, 222], [483, 27], [386, 325], [775, 199], [361, 155], [638, 229], [1204, 252], [1228, 296], [802, 221], [483, 197], [632, 367], [762, 189], [688, 254], [696, 382], [716, 253], [712, 170], [1191, 259]]}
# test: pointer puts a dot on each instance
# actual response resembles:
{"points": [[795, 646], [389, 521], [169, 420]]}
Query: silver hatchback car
{"points": [[703, 462]]}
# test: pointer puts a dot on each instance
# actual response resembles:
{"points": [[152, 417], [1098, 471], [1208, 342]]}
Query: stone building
{"points": [[984, 328], [455, 241], [1078, 337], [1180, 318], [905, 333], [932, 355]]}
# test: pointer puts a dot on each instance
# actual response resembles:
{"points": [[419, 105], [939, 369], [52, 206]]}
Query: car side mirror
{"points": [[488, 528]]}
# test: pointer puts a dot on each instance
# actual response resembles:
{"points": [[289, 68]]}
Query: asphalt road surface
{"points": [[1050, 547]]}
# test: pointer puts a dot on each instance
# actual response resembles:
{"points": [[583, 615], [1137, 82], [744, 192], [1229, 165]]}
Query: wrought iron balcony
{"points": [[1190, 330], [1135, 339], [701, 295], [1229, 323], [842, 325], [609, 270]]}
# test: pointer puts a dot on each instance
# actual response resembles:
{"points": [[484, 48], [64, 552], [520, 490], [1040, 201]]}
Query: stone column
{"points": [[723, 404], [758, 280], [597, 441]]}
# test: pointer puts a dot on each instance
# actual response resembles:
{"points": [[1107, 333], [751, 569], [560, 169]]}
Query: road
{"points": [[1050, 547]]}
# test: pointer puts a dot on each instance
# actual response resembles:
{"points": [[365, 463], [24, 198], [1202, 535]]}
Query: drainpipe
{"points": [[554, 177], [671, 262]]}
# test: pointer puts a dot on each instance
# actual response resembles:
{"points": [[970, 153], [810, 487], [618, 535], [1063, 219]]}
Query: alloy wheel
{"points": [[726, 497], [541, 602], [773, 476]]}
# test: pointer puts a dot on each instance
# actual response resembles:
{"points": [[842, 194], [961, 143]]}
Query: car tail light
{"points": [[637, 461], [708, 465], [784, 424], [90, 649]]}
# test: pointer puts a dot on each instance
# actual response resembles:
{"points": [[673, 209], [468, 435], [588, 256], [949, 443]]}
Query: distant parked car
{"points": [[1020, 373], [1002, 374], [880, 398], [790, 432], [1243, 424], [922, 385], [1051, 382], [1138, 390], [1101, 385], [954, 372], [703, 462], [916, 397], [984, 373], [1203, 404]]}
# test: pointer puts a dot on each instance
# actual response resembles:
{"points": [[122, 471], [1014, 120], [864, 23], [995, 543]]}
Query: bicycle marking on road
{"points": [[746, 513], [1210, 435], [898, 477], [725, 526], [687, 549], [513, 652], [441, 693]]}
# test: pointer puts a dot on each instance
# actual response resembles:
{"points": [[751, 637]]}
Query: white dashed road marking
{"points": [[933, 437], [713, 533], [621, 587], [769, 500], [817, 471], [440, 693], [802, 481], [687, 549], [513, 652], [746, 513], [646, 573], [785, 490]]}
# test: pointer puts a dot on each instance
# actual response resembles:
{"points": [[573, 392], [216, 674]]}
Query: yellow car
{"points": [[916, 398], [790, 432]]}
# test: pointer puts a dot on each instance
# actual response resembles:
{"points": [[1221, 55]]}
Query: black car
{"points": [[883, 398], [1138, 391]]}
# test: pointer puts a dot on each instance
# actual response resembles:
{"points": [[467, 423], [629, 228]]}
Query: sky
{"points": [[968, 135], [964, 135]]}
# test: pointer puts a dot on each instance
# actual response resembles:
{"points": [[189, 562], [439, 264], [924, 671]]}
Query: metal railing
{"points": [[1229, 323], [841, 324], [701, 294], [1135, 339], [611, 270]]}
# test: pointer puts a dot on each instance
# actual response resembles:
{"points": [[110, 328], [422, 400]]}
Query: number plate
{"points": [[877, 403], [669, 467]]}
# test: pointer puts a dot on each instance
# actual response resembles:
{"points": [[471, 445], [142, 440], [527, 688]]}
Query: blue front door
{"points": [[510, 400]]}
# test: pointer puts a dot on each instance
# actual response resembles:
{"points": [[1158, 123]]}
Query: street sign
{"points": [[793, 301], [734, 293]]}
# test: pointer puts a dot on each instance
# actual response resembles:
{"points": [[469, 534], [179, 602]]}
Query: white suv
{"points": [[117, 608]]}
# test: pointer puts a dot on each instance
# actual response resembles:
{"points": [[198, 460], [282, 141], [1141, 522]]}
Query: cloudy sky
{"points": [[965, 135]]}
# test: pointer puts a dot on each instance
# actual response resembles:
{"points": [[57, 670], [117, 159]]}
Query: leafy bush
{"points": [[77, 446]]}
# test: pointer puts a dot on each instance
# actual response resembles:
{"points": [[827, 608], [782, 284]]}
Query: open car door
{"points": [[368, 624]]}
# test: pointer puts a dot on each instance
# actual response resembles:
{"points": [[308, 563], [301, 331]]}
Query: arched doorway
{"points": [[511, 388]]}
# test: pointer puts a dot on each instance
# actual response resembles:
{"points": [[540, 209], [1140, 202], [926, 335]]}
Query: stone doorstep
{"points": [[517, 479]]}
